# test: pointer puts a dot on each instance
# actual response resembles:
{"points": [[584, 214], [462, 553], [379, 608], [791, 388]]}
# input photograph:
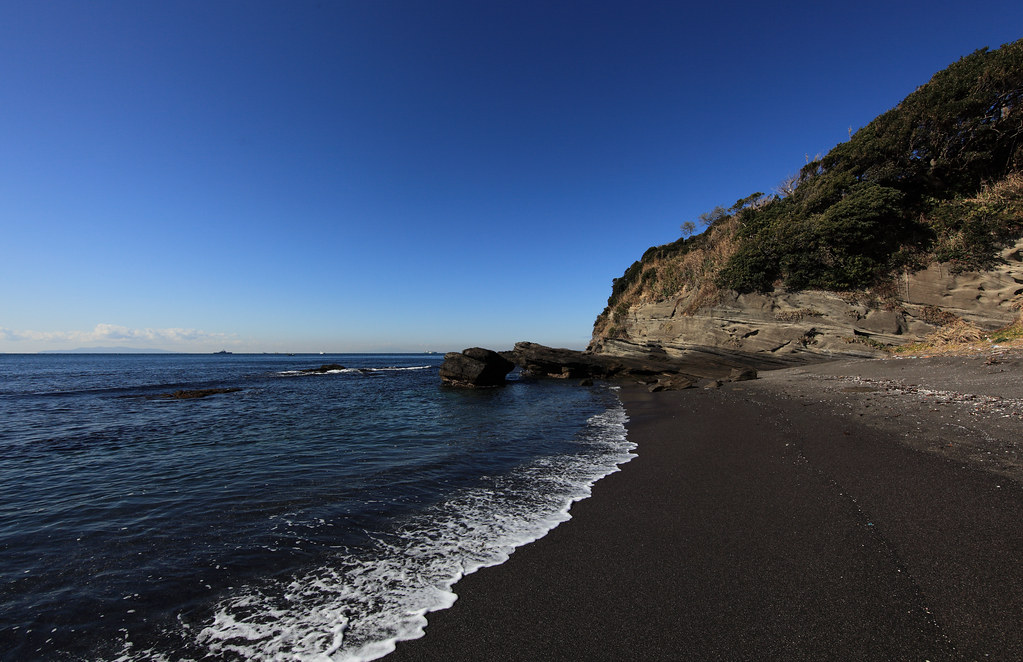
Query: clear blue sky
{"points": [[417, 175]]}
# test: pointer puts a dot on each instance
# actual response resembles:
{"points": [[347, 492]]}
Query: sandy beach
{"points": [[856, 510]]}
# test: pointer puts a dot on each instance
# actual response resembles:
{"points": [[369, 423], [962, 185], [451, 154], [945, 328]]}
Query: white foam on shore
{"points": [[357, 608], [344, 371]]}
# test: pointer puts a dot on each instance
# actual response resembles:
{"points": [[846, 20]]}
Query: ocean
{"points": [[307, 516]]}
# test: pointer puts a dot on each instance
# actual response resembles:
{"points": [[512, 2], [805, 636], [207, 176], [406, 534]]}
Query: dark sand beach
{"points": [[855, 510]]}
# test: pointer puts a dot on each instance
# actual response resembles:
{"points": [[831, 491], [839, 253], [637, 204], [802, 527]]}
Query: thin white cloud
{"points": [[103, 333]]}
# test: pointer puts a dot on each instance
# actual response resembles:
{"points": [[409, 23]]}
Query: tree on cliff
{"points": [[900, 188]]}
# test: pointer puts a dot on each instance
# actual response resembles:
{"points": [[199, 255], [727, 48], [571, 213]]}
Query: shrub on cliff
{"points": [[900, 187], [936, 177], [847, 245], [970, 231]]}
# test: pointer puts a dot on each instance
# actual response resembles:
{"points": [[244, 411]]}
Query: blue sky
{"points": [[382, 175]]}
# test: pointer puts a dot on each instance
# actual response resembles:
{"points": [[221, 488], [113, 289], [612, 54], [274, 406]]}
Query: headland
{"points": [[855, 509]]}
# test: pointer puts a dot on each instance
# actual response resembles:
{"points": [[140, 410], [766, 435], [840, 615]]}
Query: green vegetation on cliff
{"points": [[938, 177]]}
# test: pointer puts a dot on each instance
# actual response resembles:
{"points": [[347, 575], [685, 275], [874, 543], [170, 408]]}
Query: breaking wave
{"points": [[359, 604]]}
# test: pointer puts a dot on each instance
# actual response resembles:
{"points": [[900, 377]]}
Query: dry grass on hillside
{"points": [[1007, 189], [958, 332], [685, 277], [961, 338], [689, 275]]}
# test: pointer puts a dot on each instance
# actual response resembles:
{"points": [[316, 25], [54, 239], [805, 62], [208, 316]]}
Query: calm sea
{"points": [[306, 516]]}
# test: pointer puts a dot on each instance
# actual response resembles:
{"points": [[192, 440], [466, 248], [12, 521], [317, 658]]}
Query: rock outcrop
{"points": [[475, 367], [655, 369], [824, 323], [542, 361]]}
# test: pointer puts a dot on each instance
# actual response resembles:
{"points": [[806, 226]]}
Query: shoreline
{"points": [[815, 513]]}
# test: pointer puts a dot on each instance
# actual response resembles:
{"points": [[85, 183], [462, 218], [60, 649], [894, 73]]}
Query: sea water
{"points": [[310, 516]]}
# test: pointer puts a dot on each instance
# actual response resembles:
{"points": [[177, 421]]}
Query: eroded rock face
{"points": [[824, 323], [475, 367]]}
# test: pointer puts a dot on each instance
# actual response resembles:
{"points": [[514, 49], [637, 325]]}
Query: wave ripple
{"points": [[360, 604]]}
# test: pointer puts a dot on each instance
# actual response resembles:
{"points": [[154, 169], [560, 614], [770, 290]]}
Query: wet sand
{"points": [[816, 513]]}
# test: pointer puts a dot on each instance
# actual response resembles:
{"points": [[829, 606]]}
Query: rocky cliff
{"points": [[793, 322], [911, 227]]}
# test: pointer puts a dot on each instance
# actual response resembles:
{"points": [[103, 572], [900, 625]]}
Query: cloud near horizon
{"points": [[116, 333]]}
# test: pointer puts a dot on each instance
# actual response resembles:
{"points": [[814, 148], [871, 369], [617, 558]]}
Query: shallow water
{"points": [[309, 516]]}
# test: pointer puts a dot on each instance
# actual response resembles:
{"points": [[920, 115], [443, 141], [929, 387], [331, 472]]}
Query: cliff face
{"points": [[912, 226], [786, 322]]}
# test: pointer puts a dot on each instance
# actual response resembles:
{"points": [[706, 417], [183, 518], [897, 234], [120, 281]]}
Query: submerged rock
{"points": [[475, 367], [193, 394], [326, 367]]}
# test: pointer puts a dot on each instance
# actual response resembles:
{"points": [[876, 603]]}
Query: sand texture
{"points": [[860, 510]]}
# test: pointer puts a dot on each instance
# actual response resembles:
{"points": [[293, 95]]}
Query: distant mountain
{"points": [[107, 350]]}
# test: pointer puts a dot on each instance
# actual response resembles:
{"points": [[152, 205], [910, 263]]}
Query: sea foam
{"points": [[358, 606], [348, 371]]}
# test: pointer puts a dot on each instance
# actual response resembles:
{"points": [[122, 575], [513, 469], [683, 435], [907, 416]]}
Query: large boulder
{"points": [[475, 367]]}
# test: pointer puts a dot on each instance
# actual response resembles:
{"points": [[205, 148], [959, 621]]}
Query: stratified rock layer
{"points": [[787, 322]]}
